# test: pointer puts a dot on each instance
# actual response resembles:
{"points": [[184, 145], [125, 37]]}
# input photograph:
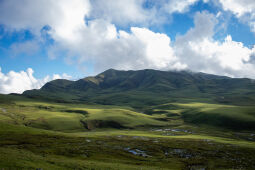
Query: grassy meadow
{"points": [[189, 135]]}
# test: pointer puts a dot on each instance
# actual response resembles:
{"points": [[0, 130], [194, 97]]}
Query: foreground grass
{"points": [[25, 147], [220, 140], [45, 135]]}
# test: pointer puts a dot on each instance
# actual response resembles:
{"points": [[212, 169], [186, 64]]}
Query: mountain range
{"points": [[148, 87]]}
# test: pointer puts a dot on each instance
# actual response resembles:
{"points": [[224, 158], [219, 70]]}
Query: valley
{"points": [[51, 135]]}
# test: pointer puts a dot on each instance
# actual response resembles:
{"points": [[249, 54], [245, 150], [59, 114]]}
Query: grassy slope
{"points": [[44, 135], [218, 115], [69, 117], [235, 117]]}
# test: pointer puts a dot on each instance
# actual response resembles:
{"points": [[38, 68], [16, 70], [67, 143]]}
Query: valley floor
{"points": [[45, 135]]}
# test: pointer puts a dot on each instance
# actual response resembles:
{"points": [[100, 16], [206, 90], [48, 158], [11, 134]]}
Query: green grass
{"points": [[25, 147], [68, 117], [229, 116], [126, 118], [37, 134]]}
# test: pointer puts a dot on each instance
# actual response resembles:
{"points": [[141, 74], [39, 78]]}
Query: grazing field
{"points": [[68, 117], [38, 134]]}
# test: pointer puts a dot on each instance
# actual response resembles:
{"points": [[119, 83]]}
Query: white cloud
{"points": [[121, 12], [67, 17], [64, 16], [179, 6], [108, 48], [157, 49], [18, 82], [126, 12], [239, 7], [197, 50], [242, 9], [201, 52]]}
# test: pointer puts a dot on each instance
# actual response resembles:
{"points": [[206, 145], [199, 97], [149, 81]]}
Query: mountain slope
{"points": [[148, 87]]}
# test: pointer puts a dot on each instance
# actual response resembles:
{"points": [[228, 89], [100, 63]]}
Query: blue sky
{"points": [[47, 39]]}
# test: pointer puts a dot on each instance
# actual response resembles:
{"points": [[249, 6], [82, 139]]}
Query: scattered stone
{"points": [[207, 140], [178, 151], [140, 137], [175, 130], [171, 130], [158, 130], [87, 140], [181, 153], [169, 134], [137, 152], [180, 130]]}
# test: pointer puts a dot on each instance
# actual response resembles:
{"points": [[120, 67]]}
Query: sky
{"points": [[43, 40]]}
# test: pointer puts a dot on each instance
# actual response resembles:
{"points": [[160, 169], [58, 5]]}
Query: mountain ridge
{"points": [[148, 83]]}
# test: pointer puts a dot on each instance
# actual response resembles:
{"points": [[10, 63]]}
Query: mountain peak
{"points": [[118, 87]]}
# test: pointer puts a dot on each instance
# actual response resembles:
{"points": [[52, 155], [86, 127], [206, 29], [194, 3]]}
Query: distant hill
{"points": [[149, 87]]}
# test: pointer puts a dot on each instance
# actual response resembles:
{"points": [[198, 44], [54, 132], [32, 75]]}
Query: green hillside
{"points": [[219, 115], [149, 87], [68, 117]]}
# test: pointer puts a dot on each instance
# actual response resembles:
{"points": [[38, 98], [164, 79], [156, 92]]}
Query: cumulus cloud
{"points": [[64, 16], [18, 82], [201, 52], [242, 9], [106, 47]]}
